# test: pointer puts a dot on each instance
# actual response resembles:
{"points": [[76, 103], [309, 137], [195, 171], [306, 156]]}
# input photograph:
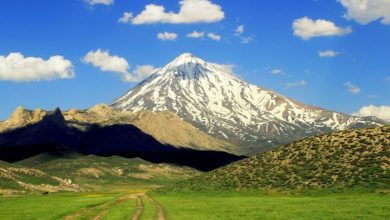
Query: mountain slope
{"points": [[220, 104], [67, 171], [165, 126], [352, 158], [53, 133]]}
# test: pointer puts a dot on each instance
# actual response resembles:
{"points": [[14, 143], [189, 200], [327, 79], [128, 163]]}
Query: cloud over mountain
{"points": [[382, 112], [351, 88], [112, 63]]}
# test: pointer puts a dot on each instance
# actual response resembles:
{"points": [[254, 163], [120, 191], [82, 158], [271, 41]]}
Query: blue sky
{"points": [[270, 51]]}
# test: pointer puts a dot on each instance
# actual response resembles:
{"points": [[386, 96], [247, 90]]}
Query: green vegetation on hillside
{"points": [[352, 158], [74, 172]]}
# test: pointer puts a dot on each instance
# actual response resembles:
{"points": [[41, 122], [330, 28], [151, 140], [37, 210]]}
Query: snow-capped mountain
{"points": [[221, 104]]}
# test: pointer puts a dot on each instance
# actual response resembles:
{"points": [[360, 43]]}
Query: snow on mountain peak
{"points": [[188, 66], [226, 107]]}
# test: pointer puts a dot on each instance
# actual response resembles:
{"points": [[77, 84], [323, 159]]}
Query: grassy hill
{"points": [[54, 172], [352, 158]]}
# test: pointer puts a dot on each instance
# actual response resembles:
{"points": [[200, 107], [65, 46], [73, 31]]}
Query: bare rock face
{"points": [[102, 110], [22, 117]]}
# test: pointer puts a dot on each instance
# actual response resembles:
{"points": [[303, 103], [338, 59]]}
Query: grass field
{"points": [[54, 206], [254, 205], [196, 205]]}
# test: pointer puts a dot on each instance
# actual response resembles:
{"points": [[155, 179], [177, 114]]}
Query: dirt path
{"points": [[139, 209], [105, 207], [160, 215], [100, 215]]}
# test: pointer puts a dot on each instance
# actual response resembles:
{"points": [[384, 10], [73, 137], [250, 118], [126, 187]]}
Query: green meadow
{"points": [[197, 205]]}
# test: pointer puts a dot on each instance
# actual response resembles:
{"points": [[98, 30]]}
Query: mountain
{"points": [[353, 158], [165, 127], [219, 103], [53, 133]]}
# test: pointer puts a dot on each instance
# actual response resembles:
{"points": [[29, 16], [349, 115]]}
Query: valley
{"points": [[194, 110], [193, 141], [133, 204], [130, 188]]}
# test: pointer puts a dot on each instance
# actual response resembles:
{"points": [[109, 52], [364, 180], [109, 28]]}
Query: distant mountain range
{"points": [[220, 104], [105, 132], [357, 158]]}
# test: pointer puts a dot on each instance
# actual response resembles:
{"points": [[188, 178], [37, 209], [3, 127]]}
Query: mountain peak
{"points": [[56, 115], [186, 58], [19, 115], [185, 55]]}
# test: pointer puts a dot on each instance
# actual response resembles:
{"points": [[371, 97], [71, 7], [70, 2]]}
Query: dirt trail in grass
{"points": [[160, 215], [139, 209], [100, 215], [102, 209], [99, 211]]}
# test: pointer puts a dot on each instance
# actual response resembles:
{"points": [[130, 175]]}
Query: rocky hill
{"points": [[351, 158], [91, 133], [165, 126]]}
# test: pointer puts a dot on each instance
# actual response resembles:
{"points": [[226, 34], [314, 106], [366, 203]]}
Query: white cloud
{"points": [[372, 96], [239, 30], [213, 36], [16, 67], [145, 70], [227, 68], [107, 62], [99, 2], [387, 79], [166, 36], [295, 84], [112, 63], [142, 72], [366, 11], [191, 11], [246, 40], [279, 72], [195, 34], [210, 35], [328, 53], [382, 112], [307, 28], [352, 88], [126, 17]]}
